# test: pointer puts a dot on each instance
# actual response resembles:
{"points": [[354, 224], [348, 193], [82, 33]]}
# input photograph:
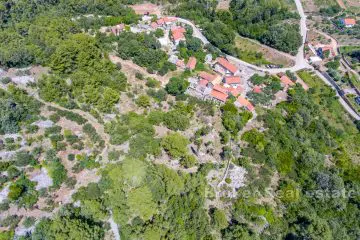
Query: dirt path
{"points": [[333, 43], [341, 4]]}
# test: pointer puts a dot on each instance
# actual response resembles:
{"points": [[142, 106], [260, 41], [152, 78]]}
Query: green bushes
{"points": [[176, 120], [177, 86], [175, 145], [23, 158], [144, 50], [91, 132], [55, 168], [75, 117], [23, 192], [232, 120]]}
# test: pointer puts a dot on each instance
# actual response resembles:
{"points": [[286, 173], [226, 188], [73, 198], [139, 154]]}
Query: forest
{"points": [[267, 22], [304, 150]]}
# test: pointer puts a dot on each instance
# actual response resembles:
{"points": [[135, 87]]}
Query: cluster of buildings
{"points": [[221, 85]]}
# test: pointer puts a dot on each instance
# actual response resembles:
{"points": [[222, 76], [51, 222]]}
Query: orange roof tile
{"points": [[160, 21], [243, 102], [285, 80], [220, 88], [207, 76], [236, 91], [233, 80], [178, 33], [154, 25], [203, 82], [219, 95], [349, 21], [227, 65], [191, 63]]}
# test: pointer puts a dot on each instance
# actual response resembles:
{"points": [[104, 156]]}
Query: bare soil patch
{"points": [[223, 5]]}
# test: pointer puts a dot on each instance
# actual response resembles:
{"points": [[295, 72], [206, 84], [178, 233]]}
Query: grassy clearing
{"points": [[349, 49], [324, 3], [254, 53]]}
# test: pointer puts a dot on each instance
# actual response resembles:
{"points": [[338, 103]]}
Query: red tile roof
{"points": [[243, 102], [191, 63], [219, 95], [220, 88], [233, 80], [285, 80], [154, 25], [326, 48], [257, 89], [203, 82], [236, 91], [178, 33], [227, 65], [207, 76], [160, 21], [349, 21]]}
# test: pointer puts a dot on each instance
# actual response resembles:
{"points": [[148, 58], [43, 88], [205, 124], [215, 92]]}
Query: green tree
{"points": [[175, 144], [176, 86]]}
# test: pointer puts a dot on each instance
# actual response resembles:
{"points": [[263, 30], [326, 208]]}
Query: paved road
{"points": [[300, 61]]}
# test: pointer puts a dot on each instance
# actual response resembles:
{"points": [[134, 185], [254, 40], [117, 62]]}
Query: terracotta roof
{"points": [[233, 80], [257, 89], [326, 48], [191, 63], [236, 91], [227, 65], [219, 95], [203, 82], [160, 21], [243, 102], [285, 80], [207, 76], [349, 21], [178, 33], [220, 88], [154, 25]]}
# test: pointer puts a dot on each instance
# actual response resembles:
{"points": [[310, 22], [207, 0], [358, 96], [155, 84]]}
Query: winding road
{"points": [[300, 61]]}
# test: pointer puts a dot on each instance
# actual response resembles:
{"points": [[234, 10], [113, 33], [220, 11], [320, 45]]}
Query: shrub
{"points": [[143, 101], [29, 221], [71, 157], [188, 161], [23, 158], [139, 76], [175, 144], [175, 120], [5, 80], [152, 83], [91, 132], [54, 117]]}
